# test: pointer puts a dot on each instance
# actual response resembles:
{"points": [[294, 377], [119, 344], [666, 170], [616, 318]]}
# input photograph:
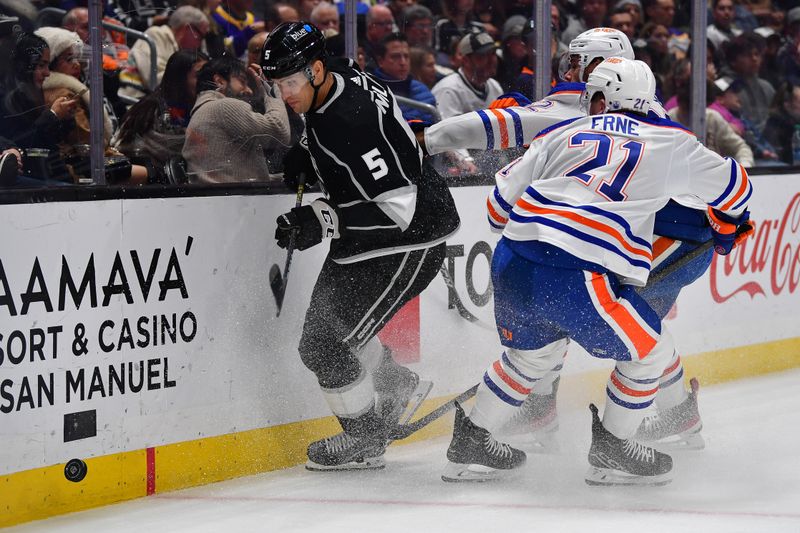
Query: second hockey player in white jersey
{"points": [[577, 214], [679, 229]]}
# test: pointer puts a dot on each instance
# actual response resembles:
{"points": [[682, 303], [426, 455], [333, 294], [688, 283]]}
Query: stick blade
{"points": [[276, 284]]}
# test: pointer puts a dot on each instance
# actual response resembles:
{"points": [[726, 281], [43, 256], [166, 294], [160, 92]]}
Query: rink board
{"points": [[140, 336]]}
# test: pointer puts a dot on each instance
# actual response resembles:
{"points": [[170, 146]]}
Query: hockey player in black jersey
{"points": [[386, 222]]}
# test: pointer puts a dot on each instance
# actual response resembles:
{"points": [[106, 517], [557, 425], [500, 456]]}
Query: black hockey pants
{"points": [[351, 303]]}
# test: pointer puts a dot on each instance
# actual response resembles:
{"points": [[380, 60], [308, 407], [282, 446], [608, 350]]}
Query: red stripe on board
{"points": [[401, 333], [151, 471]]}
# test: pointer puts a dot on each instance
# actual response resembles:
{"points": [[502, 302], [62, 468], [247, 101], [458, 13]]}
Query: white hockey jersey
{"points": [[592, 185], [510, 127]]}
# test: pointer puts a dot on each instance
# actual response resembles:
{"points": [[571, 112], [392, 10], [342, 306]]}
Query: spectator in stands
{"points": [[728, 105], [492, 15], [287, 12], [423, 66], [24, 117], [305, 7], [237, 23], [398, 6], [215, 41], [473, 86], [394, 69], [721, 29], [325, 16], [380, 23], [772, 68], [634, 7], [254, 47], [186, 30], [154, 130], [141, 14], [459, 19], [590, 14], [783, 119], [65, 81], [789, 55], [417, 24], [720, 137], [8, 27], [622, 20], [662, 12], [657, 38], [514, 52], [77, 20], [225, 139], [744, 54]]}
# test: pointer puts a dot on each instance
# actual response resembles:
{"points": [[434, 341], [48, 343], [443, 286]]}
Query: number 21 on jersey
{"points": [[612, 187]]}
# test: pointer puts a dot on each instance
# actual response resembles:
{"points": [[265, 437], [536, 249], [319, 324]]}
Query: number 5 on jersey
{"points": [[612, 188], [375, 164]]}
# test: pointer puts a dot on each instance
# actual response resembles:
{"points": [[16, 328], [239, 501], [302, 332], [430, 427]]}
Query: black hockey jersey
{"points": [[370, 166]]}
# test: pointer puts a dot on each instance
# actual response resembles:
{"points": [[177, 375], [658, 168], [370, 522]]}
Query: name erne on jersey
{"points": [[615, 123]]}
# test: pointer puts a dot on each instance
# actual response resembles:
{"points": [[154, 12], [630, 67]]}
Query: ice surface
{"points": [[746, 480]]}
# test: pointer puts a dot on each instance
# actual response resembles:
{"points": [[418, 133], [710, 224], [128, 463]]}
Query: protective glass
{"points": [[292, 85], [564, 66]]}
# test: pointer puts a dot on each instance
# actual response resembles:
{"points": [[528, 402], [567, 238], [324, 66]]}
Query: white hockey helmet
{"points": [[627, 85], [599, 42]]}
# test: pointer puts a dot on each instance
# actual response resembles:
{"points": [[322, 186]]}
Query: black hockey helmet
{"points": [[290, 47]]}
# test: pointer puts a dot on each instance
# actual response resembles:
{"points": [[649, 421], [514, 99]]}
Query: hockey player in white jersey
{"points": [[515, 126], [679, 230], [577, 213]]}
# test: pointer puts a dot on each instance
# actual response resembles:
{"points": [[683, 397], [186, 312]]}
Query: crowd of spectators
{"points": [[208, 116]]}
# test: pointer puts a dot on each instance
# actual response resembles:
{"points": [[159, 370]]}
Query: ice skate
{"points": [[399, 391], [345, 451], [676, 428], [537, 420], [474, 454], [614, 461]]}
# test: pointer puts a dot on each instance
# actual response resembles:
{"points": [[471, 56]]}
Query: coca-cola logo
{"points": [[772, 252]]}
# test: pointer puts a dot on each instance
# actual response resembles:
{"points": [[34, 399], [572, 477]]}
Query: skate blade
{"points": [[472, 473], [610, 477], [370, 463], [544, 443], [415, 401]]}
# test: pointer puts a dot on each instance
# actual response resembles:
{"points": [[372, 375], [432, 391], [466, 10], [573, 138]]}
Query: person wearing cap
{"points": [[513, 51], [721, 29], [472, 87], [66, 48], [720, 136], [634, 7], [728, 105]]}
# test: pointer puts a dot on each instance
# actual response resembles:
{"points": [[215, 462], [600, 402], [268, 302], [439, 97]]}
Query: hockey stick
{"points": [[278, 281], [691, 256], [462, 311], [403, 431]]}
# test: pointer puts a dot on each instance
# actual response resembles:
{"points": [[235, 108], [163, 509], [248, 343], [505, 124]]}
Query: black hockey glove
{"points": [[309, 223], [298, 161]]}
